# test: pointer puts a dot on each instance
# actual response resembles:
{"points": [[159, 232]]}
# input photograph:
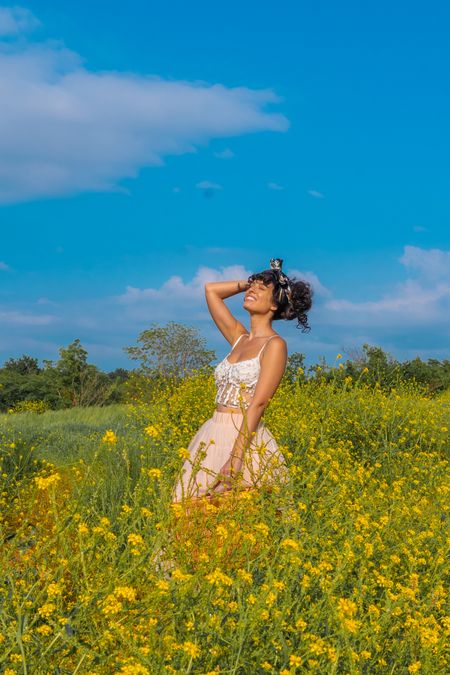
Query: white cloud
{"points": [[15, 20], [208, 185], [318, 288], [275, 186], [411, 302], [4, 266], [175, 299], [224, 154], [431, 264], [315, 193], [175, 289], [16, 317], [65, 128], [47, 301]]}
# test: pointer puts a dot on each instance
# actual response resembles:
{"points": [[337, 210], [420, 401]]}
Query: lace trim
{"points": [[234, 380]]}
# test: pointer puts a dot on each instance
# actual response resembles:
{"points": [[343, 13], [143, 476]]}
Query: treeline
{"points": [[170, 352]]}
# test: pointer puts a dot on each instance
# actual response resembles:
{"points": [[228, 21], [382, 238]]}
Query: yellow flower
{"points": [[154, 473], [44, 629], [339, 356], [109, 437], [295, 660], [346, 607], [44, 483], [53, 590], [300, 624], [151, 431], [135, 539], [218, 578], [162, 585], [111, 605], [245, 576], [134, 669], [125, 593], [178, 575], [83, 528], [47, 609], [191, 649]]}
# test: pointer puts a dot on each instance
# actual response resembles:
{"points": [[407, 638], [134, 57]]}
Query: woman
{"points": [[234, 444]]}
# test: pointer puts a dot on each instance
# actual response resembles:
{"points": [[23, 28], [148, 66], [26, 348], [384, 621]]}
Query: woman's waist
{"points": [[231, 409]]}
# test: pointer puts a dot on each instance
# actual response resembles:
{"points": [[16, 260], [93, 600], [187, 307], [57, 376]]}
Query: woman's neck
{"points": [[260, 326]]}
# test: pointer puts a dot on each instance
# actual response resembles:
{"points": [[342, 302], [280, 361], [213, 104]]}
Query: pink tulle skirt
{"points": [[211, 447]]}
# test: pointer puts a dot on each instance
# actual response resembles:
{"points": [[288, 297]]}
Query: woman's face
{"points": [[259, 298]]}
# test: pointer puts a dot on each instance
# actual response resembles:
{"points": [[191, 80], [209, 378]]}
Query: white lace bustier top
{"points": [[230, 376]]}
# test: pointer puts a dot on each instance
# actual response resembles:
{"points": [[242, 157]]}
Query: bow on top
{"points": [[283, 280]]}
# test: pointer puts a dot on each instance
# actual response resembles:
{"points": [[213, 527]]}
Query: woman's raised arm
{"points": [[215, 293]]}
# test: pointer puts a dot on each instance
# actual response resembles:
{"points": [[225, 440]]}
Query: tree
{"points": [[171, 350], [295, 361], [80, 383], [25, 365]]}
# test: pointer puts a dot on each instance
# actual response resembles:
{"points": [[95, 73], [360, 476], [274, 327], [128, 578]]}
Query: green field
{"points": [[345, 570]]}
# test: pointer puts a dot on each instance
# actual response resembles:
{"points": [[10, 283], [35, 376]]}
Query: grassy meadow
{"points": [[345, 570]]}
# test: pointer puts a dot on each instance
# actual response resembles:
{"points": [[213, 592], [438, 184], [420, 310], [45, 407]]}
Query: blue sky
{"points": [[146, 148]]}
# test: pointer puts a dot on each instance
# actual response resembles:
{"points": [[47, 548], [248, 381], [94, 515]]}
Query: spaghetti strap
{"points": [[234, 345], [262, 348]]}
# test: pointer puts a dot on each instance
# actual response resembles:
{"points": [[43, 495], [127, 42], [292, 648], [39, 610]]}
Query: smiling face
{"points": [[259, 298]]}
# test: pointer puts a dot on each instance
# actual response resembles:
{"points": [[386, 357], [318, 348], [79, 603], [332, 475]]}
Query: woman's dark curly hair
{"points": [[290, 306]]}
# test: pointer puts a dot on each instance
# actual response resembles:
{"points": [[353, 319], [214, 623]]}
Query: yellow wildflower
{"points": [[178, 575], [218, 578], [191, 649], [135, 539], [47, 609], [111, 605], [295, 660], [125, 593], [44, 483], [151, 431], [109, 437], [134, 669], [53, 590], [245, 576], [44, 629]]}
